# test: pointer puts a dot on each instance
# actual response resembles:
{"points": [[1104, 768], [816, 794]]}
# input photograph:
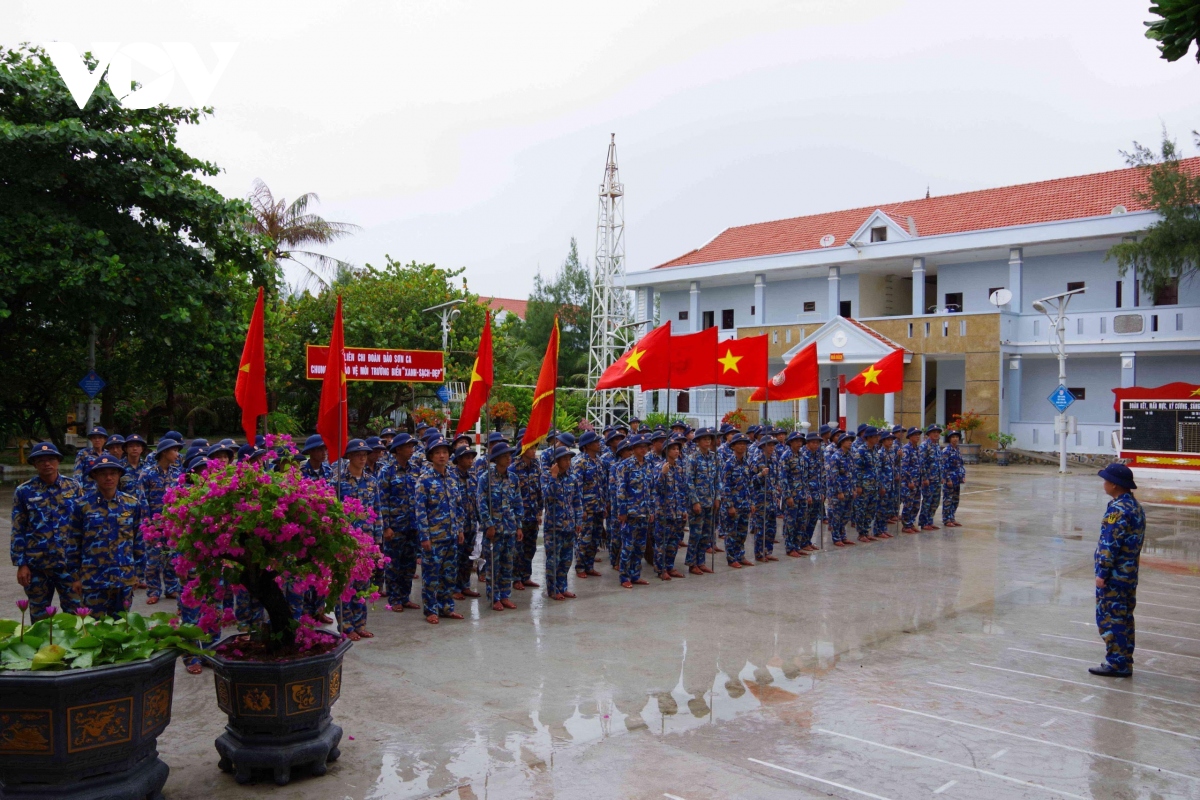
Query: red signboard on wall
{"points": [[1160, 426], [377, 364]]}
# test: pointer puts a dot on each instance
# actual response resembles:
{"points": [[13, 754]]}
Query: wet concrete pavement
{"points": [[952, 663]]}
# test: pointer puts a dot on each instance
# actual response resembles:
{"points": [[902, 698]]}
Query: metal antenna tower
{"points": [[611, 333]]}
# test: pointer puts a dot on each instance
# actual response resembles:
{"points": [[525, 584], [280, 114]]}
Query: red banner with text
{"points": [[376, 364]]}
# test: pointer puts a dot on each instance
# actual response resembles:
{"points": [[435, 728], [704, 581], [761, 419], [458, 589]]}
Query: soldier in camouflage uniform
{"points": [[41, 512], [910, 481], [794, 506], [317, 466], [930, 461], [463, 459], [361, 485], [839, 489], [635, 510], [528, 471], [814, 490], [766, 499], [564, 521], [673, 491], [398, 484], [885, 466], [500, 515], [737, 501], [84, 459], [590, 475], [439, 525], [866, 483], [1121, 536], [159, 476], [954, 475], [105, 542], [704, 501]]}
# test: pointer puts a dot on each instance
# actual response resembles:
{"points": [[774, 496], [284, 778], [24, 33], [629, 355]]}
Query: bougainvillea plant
{"points": [[736, 418], [430, 416], [273, 534], [503, 411]]}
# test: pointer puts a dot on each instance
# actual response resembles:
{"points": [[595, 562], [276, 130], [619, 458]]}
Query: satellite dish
{"points": [[1000, 297], [827, 240]]}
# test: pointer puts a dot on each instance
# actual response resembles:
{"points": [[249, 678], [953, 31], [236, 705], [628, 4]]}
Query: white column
{"points": [[835, 291], [803, 414], [760, 299], [1016, 263], [918, 292], [889, 407], [1012, 388], [694, 305]]}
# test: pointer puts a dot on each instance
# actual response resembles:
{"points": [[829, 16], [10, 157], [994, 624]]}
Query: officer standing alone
{"points": [[1121, 536]]}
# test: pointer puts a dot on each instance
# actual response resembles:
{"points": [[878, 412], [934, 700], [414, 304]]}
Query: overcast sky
{"points": [[474, 133]]}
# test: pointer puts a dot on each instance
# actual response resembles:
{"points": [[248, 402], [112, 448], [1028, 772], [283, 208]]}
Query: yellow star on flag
{"points": [[871, 375], [631, 362], [475, 376], [730, 361], [244, 368], [1196, 392]]}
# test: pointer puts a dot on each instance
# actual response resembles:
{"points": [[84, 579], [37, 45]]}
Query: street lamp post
{"points": [[1055, 309], [448, 314]]}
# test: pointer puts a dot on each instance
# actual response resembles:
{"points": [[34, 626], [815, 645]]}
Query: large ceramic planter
{"points": [[1002, 458], [86, 733], [970, 453], [278, 713]]}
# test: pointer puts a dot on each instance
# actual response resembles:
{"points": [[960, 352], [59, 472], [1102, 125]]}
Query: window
{"points": [[879, 234], [727, 319], [731, 393], [787, 336], [810, 305], [954, 301], [1073, 285], [1137, 292], [1120, 287], [844, 309], [910, 330], [945, 328], [752, 311], [1079, 392], [707, 318], [926, 330], [683, 315], [683, 402], [962, 327], [1154, 323], [1167, 294], [775, 337]]}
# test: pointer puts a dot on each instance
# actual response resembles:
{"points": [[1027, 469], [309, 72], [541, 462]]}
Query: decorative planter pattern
{"points": [[86, 733], [278, 713]]}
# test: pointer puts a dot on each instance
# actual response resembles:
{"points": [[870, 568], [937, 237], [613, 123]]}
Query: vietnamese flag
{"points": [[883, 377], [648, 362], [797, 381], [251, 389], [541, 416], [691, 361], [481, 379], [742, 362], [332, 421]]}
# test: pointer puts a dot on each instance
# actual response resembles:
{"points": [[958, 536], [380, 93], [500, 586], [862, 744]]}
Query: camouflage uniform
{"points": [[794, 506], [323, 472], [635, 501], [766, 497], [529, 478], [885, 468], [468, 514], [704, 487], [399, 488], [929, 459], [366, 490], [1121, 536], [41, 513], [813, 496], [437, 507], [564, 519], [590, 476], [671, 520], [160, 572], [737, 494], [500, 507], [910, 483], [838, 480], [83, 462], [105, 546], [953, 475]]}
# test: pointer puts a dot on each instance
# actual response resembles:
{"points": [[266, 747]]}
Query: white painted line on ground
{"points": [[999, 753], [1144, 632], [1140, 649], [1092, 661], [1179, 608], [1088, 685], [1061, 708], [1167, 594], [818, 780], [1042, 742], [1049, 722], [944, 787], [980, 491], [672, 796], [989, 773], [1183, 585], [1172, 621]]}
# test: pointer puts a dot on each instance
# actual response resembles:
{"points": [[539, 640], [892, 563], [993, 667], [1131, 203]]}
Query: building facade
{"points": [[921, 275]]}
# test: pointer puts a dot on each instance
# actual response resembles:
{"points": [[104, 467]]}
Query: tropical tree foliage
{"points": [[568, 294], [1176, 29], [288, 227]]}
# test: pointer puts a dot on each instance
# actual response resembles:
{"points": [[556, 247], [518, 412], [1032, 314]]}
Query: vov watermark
{"points": [[164, 60]]}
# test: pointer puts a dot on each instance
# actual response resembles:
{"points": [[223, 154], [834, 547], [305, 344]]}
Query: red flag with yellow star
{"points": [[332, 420], [647, 361], [251, 388], [742, 362], [883, 377], [481, 379], [541, 416]]}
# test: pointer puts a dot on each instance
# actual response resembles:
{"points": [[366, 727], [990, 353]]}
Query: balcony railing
{"points": [[1115, 326]]}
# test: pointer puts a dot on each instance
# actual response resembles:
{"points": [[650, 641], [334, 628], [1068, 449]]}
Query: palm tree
{"points": [[290, 227]]}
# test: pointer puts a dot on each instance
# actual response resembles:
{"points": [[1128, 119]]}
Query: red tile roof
{"points": [[508, 304], [875, 334], [1045, 201]]}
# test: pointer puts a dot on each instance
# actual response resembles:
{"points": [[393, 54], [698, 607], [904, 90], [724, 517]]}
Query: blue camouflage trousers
{"points": [[462, 580], [526, 550], [502, 554], [736, 529], [931, 496], [765, 527], [439, 572], [700, 537], [401, 570], [912, 504], [813, 513], [1114, 617], [950, 503], [613, 527], [110, 599], [248, 610], [668, 533], [588, 542], [43, 584], [884, 511], [793, 525], [864, 507], [160, 572], [634, 533], [838, 513], [559, 546]]}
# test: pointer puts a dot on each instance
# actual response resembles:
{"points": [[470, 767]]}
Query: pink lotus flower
{"points": [[83, 611], [23, 605]]}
